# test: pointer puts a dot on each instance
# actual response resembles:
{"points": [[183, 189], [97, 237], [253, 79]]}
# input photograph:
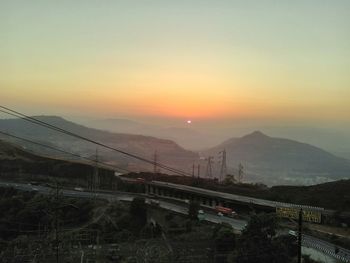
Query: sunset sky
{"points": [[183, 59]]}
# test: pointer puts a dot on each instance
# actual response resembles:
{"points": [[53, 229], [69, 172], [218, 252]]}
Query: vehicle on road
{"points": [[225, 211], [200, 215], [78, 189], [154, 203], [292, 233], [140, 180], [153, 195]]}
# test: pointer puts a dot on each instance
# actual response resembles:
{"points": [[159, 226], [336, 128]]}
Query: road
{"points": [[123, 196], [308, 241]]}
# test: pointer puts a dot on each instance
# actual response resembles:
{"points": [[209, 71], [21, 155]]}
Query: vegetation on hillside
{"points": [[29, 224]]}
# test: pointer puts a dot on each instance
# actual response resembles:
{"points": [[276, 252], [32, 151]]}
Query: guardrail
{"points": [[327, 248]]}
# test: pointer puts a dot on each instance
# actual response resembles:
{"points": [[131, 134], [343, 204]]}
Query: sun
{"points": [[189, 121]]}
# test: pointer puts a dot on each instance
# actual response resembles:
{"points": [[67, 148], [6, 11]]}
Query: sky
{"points": [[184, 59]]}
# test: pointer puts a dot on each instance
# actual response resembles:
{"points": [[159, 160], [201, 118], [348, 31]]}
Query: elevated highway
{"points": [[215, 198]]}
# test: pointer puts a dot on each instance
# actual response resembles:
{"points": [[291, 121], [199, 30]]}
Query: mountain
{"points": [[188, 138], [19, 164], [11, 152], [281, 161], [168, 152]]}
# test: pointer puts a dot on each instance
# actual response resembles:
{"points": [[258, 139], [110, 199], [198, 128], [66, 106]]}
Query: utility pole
{"points": [[56, 223], [198, 170], [94, 176], [193, 170], [223, 170], [57, 205], [155, 160], [300, 236], [209, 167]]}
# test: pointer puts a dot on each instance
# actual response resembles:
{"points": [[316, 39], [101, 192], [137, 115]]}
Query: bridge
{"points": [[213, 198]]}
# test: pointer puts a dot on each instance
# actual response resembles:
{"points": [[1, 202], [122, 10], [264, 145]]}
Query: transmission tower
{"points": [[223, 170], [209, 167], [240, 172]]}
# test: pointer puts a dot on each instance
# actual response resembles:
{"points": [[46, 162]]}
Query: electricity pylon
{"points": [[240, 172], [209, 167], [223, 169]]}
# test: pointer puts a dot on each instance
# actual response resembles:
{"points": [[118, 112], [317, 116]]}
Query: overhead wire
{"points": [[63, 151], [55, 128]]}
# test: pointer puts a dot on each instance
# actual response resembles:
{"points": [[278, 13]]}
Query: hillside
{"points": [[145, 146], [18, 164], [11, 152], [282, 161], [323, 195]]}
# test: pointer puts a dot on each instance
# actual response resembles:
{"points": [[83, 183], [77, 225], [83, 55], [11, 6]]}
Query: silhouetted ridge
{"points": [[256, 135]]}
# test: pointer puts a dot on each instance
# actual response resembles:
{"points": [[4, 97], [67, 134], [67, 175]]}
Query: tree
{"points": [[229, 179], [307, 259], [259, 242], [225, 239], [138, 212], [193, 210], [147, 231]]}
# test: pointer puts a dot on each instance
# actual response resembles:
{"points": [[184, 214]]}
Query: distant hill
{"points": [[282, 161], [187, 137], [15, 160], [12, 152], [145, 146], [19, 164]]}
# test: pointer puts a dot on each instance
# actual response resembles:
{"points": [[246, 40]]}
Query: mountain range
{"points": [[281, 161], [167, 151], [203, 134], [265, 159]]}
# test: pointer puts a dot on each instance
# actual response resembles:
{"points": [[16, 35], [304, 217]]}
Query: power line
{"points": [[62, 151], [55, 128]]}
